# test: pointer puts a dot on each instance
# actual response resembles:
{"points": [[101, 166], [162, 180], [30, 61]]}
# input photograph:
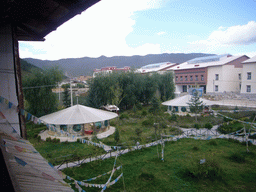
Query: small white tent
{"points": [[77, 119], [180, 104], [78, 114]]}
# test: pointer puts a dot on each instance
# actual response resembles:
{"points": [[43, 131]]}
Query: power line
{"points": [[40, 86]]}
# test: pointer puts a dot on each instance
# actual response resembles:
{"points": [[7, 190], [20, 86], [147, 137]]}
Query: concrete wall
{"points": [[7, 76], [228, 79], [250, 67]]}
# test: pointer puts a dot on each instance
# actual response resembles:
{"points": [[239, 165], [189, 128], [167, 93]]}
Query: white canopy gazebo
{"points": [[180, 104], [78, 119]]}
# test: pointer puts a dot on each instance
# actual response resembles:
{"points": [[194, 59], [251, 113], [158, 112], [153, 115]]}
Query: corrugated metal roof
{"points": [[223, 61], [251, 60]]}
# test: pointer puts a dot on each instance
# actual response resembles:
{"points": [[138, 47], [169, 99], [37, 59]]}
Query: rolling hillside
{"points": [[86, 65]]}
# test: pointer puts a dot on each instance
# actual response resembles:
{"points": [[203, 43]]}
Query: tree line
{"points": [[121, 89], [128, 89]]}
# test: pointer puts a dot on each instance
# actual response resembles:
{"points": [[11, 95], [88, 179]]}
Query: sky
{"points": [[140, 27]]}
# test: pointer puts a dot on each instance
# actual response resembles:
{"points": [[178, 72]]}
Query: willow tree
{"points": [[38, 90]]}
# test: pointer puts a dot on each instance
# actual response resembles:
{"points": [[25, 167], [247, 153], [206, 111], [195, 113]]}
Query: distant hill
{"points": [[86, 65], [26, 67]]}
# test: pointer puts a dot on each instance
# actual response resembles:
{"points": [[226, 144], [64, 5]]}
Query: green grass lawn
{"points": [[56, 152], [227, 168]]}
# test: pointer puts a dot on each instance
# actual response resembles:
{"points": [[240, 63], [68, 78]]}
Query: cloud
{"points": [[234, 35], [100, 30], [161, 33]]}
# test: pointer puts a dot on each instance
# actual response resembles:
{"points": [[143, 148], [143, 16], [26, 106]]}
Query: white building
{"points": [[248, 85], [108, 70], [216, 74]]}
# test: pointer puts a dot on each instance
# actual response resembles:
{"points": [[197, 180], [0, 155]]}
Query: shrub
{"points": [[147, 122], [139, 106], [117, 135], [172, 118], [144, 113], [48, 139], [38, 138], [208, 125], [196, 125], [237, 157], [124, 116]]}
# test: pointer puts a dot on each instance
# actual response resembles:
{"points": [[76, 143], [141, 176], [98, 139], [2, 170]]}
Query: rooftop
{"points": [[251, 60], [206, 62]]}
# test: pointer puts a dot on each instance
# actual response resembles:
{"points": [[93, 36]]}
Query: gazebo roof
{"points": [[184, 100], [78, 114]]}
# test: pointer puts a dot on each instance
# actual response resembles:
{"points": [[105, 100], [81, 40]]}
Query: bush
{"points": [[172, 118], [48, 139], [237, 157], [147, 122], [144, 113], [208, 125], [139, 106], [124, 116], [38, 138], [196, 125]]}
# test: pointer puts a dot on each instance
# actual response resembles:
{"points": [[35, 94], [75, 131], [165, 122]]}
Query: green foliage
{"points": [[124, 116], [173, 118], [39, 96], [208, 125], [66, 98], [117, 135], [127, 89], [144, 112], [230, 127], [196, 125], [148, 122], [195, 105], [48, 139]]}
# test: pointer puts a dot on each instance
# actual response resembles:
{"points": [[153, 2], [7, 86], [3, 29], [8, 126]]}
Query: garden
{"points": [[189, 165]]}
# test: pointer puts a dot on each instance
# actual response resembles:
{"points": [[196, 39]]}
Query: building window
{"points": [[176, 78], [196, 77], [248, 88], [181, 78], [191, 78], [239, 76], [216, 77], [216, 88], [186, 78], [202, 78], [249, 76]]}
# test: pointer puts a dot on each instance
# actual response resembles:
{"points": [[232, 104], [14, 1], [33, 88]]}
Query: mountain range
{"points": [[85, 66]]}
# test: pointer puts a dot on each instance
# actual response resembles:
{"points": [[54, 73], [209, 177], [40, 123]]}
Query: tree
{"points": [[117, 135], [66, 98], [195, 105], [38, 90]]}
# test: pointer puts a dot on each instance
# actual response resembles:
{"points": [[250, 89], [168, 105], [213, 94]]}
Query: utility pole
{"points": [[71, 94]]}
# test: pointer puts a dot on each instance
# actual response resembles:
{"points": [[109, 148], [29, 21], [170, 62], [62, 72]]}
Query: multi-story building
{"points": [[216, 74], [248, 85], [107, 70]]}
